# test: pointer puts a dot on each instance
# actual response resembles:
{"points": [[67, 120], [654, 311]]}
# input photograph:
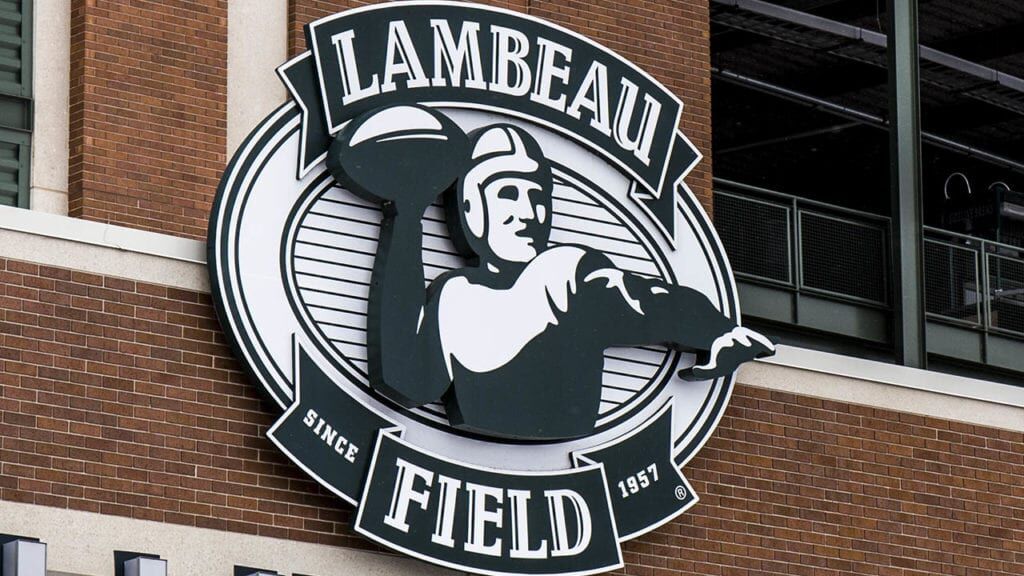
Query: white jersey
{"points": [[485, 328]]}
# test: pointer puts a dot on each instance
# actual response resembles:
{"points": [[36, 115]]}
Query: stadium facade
{"points": [[883, 437]]}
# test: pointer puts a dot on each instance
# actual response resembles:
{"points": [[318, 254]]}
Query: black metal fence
{"points": [[807, 247], [974, 282], [803, 245]]}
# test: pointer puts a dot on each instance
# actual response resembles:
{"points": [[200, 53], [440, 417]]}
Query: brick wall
{"points": [[121, 398], [798, 485], [669, 39], [148, 112]]}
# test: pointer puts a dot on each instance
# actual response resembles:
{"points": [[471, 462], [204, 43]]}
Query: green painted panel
{"points": [[1005, 353], [852, 320], [767, 303], [956, 342]]}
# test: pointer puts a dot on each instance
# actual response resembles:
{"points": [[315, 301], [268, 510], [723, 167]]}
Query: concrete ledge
{"points": [[857, 381], [55, 240], [883, 373], [84, 543]]}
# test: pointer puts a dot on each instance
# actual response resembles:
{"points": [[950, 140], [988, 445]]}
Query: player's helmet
{"points": [[504, 199]]}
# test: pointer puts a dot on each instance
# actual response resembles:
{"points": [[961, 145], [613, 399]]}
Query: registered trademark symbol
{"points": [[680, 493]]}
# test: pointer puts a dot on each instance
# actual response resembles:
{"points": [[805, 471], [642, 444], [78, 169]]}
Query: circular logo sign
{"points": [[464, 262]]}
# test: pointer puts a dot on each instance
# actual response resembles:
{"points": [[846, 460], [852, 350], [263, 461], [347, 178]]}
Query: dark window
{"points": [[802, 109]]}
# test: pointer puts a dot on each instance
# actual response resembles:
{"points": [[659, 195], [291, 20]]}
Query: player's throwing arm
{"points": [[402, 157]]}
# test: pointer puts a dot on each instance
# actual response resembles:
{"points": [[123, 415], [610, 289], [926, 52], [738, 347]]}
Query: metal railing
{"points": [[974, 282], [803, 245]]}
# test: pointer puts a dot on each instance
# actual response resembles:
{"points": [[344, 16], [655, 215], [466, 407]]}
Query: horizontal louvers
{"points": [[14, 45], [15, 101], [11, 161]]}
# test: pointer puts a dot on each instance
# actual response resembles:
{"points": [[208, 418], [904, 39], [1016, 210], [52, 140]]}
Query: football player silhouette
{"points": [[514, 342]]}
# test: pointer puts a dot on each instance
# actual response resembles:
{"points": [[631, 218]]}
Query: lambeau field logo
{"points": [[464, 262]]}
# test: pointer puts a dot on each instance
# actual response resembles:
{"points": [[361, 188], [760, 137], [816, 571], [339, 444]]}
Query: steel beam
{"points": [[984, 76], [787, 138], [860, 116], [905, 174]]}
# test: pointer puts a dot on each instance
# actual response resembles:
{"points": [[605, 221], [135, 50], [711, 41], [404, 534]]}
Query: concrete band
{"points": [[83, 543], [934, 397], [87, 246]]}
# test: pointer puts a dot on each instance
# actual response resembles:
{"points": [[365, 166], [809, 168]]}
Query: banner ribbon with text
{"points": [[477, 518], [474, 56]]}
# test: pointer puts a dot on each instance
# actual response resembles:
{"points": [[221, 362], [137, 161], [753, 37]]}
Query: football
{"points": [[404, 154]]}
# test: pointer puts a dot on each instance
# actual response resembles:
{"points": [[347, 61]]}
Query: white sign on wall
{"points": [[464, 262]]}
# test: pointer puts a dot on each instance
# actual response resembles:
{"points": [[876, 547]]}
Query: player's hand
{"points": [[727, 352], [403, 154]]}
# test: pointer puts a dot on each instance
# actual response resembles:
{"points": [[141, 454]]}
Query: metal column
{"points": [[905, 176]]}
